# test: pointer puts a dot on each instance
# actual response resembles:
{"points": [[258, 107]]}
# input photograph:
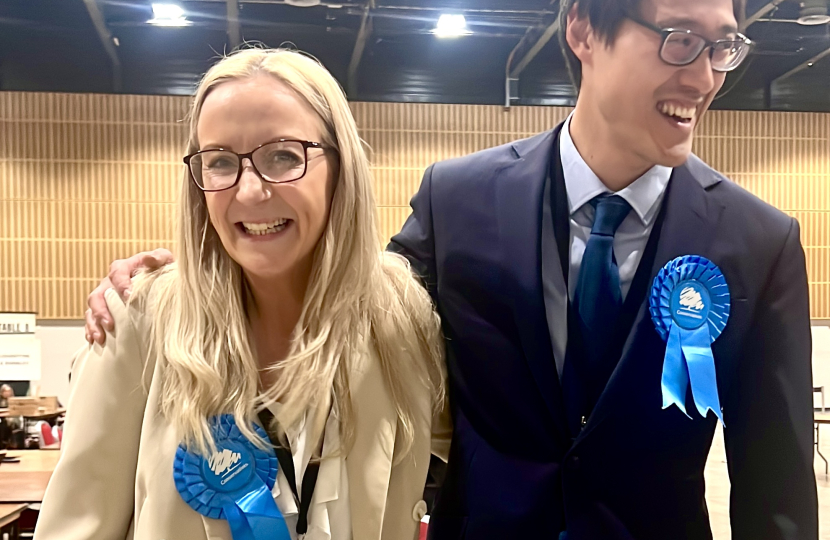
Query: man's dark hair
{"points": [[605, 17]]}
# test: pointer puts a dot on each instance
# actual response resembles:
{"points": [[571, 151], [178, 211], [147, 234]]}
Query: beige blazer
{"points": [[114, 478]]}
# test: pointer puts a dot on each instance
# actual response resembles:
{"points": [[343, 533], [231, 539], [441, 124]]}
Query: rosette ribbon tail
{"points": [[255, 516], [689, 362], [675, 375], [701, 365]]}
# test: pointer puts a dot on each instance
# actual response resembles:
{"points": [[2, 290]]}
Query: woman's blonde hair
{"points": [[357, 294]]}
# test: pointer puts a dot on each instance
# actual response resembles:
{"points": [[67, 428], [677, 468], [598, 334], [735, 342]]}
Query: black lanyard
{"points": [[266, 417]]}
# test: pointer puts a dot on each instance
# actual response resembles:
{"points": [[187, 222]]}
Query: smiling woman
{"points": [[282, 324], [279, 194]]}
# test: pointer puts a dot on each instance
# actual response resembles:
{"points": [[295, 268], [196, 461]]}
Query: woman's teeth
{"points": [[683, 113], [261, 229]]}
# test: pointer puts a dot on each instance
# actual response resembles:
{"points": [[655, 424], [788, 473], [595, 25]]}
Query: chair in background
{"points": [[50, 436], [820, 418]]}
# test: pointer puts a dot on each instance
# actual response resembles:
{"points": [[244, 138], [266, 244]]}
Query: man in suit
{"points": [[540, 256], [561, 429]]}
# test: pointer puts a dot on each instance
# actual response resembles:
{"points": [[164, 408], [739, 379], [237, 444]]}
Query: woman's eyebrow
{"points": [[269, 141]]}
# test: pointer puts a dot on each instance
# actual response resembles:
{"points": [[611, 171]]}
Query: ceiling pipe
{"points": [[106, 40], [359, 46], [801, 67], [540, 43], [755, 17], [512, 73], [234, 28]]}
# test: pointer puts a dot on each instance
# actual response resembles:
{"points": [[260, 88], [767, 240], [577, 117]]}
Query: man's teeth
{"points": [[686, 113], [260, 229]]}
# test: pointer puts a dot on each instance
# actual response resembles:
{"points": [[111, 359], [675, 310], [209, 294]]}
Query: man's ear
{"points": [[579, 35]]}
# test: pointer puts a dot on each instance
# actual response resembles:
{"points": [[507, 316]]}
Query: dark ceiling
{"points": [[54, 45]]}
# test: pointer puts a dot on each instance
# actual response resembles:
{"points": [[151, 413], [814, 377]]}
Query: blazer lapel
{"points": [[369, 461], [519, 189], [689, 227], [216, 529]]}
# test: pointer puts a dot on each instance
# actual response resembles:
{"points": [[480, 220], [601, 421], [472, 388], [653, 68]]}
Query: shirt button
{"points": [[419, 511], [574, 462]]}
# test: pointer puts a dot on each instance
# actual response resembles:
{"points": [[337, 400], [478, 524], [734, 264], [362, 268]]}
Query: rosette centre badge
{"points": [[689, 305]]}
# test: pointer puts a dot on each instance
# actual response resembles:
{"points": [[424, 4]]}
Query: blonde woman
{"points": [[281, 313]]}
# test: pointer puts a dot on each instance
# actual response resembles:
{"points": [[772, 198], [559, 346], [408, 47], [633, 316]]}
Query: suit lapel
{"points": [[520, 192], [692, 216], [689, 227]]}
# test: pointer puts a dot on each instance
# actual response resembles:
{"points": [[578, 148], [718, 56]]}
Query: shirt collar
{"points": [[582, 185]]}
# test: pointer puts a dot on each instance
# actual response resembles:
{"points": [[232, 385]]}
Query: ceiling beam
{"points": [[534, 49], [755, 17], [801, 67], [106, 40], [234, 32], [359, 46]]}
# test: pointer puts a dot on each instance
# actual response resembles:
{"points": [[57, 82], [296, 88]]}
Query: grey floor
{"points": [[717, 488]]}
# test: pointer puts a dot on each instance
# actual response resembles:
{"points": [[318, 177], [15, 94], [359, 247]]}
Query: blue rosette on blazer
{"points": [[689, 304], [234, 483]]}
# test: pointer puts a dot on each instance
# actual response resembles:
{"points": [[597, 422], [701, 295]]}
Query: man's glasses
{"points": [[278, 162], [682, 47]]}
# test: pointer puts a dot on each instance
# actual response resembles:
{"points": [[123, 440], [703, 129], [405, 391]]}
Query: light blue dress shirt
{"points": [[645, 195]]}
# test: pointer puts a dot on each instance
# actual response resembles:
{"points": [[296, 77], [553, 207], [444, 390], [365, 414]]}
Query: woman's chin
{"points": [[265, 271]]}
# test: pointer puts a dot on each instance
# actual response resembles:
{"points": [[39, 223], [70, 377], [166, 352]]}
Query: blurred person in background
{"points": [[6, 392], [11, 435]]}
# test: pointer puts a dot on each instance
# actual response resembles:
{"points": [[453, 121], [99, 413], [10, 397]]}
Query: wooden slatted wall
{"points": [[88, 178]]}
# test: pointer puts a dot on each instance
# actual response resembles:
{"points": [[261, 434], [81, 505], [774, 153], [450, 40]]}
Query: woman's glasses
{"points": [[278, 162]]}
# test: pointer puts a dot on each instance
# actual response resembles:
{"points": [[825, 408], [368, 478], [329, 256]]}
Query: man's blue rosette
{"points": [[234, 483], [689, 305]]}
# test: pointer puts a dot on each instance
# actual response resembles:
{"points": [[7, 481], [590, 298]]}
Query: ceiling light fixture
{"points": [[303, 3], [168, 15], [451, 25], [814, 12]]}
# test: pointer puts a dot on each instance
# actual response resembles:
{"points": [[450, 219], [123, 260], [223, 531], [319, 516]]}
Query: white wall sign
{"points": [[19, 350]]}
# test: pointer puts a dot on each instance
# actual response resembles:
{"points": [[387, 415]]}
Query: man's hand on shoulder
{"points": [[98, 316]]}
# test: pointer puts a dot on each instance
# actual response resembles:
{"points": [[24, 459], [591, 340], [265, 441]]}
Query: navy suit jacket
{"points": [[636, 470]]}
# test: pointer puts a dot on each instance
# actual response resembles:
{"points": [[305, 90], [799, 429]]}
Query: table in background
{"points": [[9, 514], [25, 482], [45, 415], [819, 419]]}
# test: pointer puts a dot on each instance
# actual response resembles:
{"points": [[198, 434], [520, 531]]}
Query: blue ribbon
{"points": [[689, 305], [234, 483]]}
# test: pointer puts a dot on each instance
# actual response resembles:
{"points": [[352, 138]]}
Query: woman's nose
{"points": [[251, 189]]}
